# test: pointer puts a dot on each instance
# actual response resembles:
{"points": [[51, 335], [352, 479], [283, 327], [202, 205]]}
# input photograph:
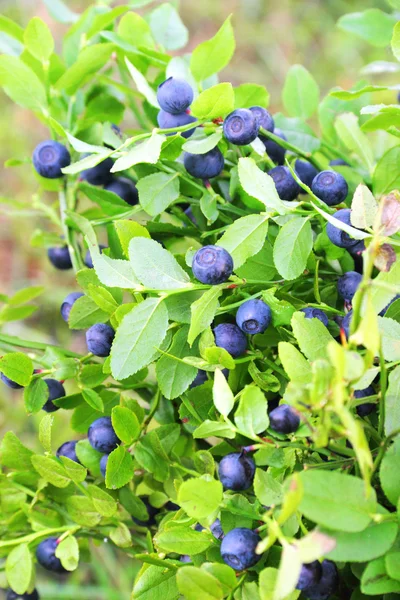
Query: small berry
{"points": [[200, 378], [216, 530], [168, 121], [60, 257], [327, 584], [348, 284], [338, 236], [152, 511], [253, 316], [310, 574], [316, 313], [330, 187], [212, 265], [10, 383], [103, 464], [231, 338], [338, 162], [102, 436], [99, 339], [204, 166], [363, 410], [236, 471], [124, 188], [283, 419], [274, 150], [357, 249], [241, 127], [68, 304], [238, 548], [68, 450], [264, 118], [100, 174], [56, 390], [305, 171], [88, 257], [49, 158], [14, 596], [346, 323], [175, 95], [286, 185], [46, 555]]}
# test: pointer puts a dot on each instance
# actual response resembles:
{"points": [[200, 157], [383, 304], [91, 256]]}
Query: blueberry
{"points": [[49, 158], [326, 586], [241, 127], [216, 530], [60, 257], [10, 383], [346, 323], [286, 185], [68, 450], [103, 464], [231, 338], [124, 188], [185, 558], [102, 436], [68, 304], [330, 187], [315, 313], [357, 249], [200, 378], [46, 555], [274, 150], [236, 471], [152, 511], [172, 506], [99, 339], [305, 171], [283, 419], [264, 118], [175, 95], [253, 316], [14, 596], [167, 121], [338, 236], [212, 265], [363, 410], [56, 390], [88, 258], [338, 162], [100, 174], [309, 575], [238, 548], [204, 166], [348, 284]]}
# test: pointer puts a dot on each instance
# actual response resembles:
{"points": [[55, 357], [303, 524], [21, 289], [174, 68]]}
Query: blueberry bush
{"points": [[237, 413]]}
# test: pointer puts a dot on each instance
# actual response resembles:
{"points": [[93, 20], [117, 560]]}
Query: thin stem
{"points": [[15, 341], [383, 382], [288, 146]]}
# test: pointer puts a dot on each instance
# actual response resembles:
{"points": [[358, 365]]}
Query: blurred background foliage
{"points": [[271, 36]]}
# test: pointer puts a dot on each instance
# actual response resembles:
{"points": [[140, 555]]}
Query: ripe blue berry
{"points": [[100, 174], [346, 323], [230, 337], [264, 118], [283, 419], [338, 162], [238, 548], [68, 304], [68, 450], [327, 584], [88, 257], [175, 95], [46, 555], [204, 166], [348, 284], [60, 257], [363, 410], [315, 313], [305, 171], [49, 158], [274, 150], [357, 249], [56, 390], [286, 185], [337, 236], [310, 574], [152, 511], [10, 383], [167, 121], [236, 471], [330, 187], [103, 464], [99, 339], [241, 127], [216, 530], [200, 378], [102, 436], [124, 188], [14, 596], [253, 316], [212, 265]]}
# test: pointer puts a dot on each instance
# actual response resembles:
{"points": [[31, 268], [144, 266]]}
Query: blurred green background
{"points": [[271, 36]]}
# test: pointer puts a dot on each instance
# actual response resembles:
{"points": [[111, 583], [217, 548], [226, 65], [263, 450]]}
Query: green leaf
{"points": [[301, 93], [214, 428], [200, 497], [38, 39], [51, 470], [135, 30], [125, 424], [89, 457], [212, 56], [260, 266], [155, 267], [222, 394], [76, 472], [298, 132], [82, 511], [11, 28], [288, 572], [267, 489], [103, 298], [17, 366], [259, 185], [245, 238], [127, 230], [142, 85], [294, 363], [21, 84], [292, 247], [90, 61], [68, 553], [19, 566], [203, 145], [251, 94], [151, 455], [390, 338], [363, 546], [183, 540], [372, 25], [251, 415], [375, 580], [146, 152], [353, 138], [93, 399], [396, 41], [103, 20], [155, 583], [203, 311], [311, 335], [103, 502], [60, 12], [195, 583], [157, 192], [121, 536], [26, 295], [14, 454], [392, 403], [45, 426], [337, 501], [120, 468], [167, 27], [217, 101], [364, 208], [85, 313], [110, 203], [173, 375], [36, 395], [386, 176]]}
